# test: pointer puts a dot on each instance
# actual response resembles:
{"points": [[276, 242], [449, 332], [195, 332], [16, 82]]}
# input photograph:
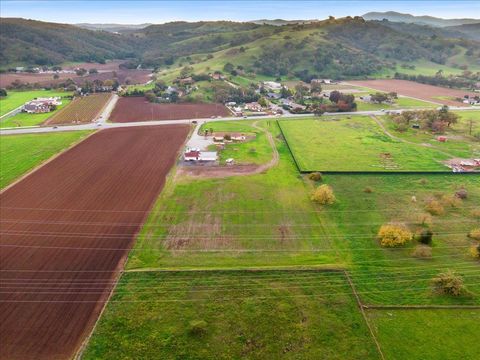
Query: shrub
{"points": [[461, 194], [323, 195], [476, 213], [475, 234], [434, 207], [315, 176], [422, 252], [475, 251], [368, 190], [425, 219], [449, 283], [452, 201], [197, 327], [425, 236], [391, 235]]}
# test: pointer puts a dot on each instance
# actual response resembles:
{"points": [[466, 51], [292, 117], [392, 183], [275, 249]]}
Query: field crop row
{"points": [[84, 109]]}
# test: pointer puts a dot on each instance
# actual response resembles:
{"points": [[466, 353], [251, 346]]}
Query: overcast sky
{"points": [[136, 12]]}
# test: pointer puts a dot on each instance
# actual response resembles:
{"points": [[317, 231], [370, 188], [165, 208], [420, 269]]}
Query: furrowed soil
{"points": [[436, 94], [69, 225], [81, 110], [133, 109]]}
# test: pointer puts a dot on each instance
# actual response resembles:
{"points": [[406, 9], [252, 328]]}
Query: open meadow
{"points": [[355, 144], [260, 315], [255, 220], [458, 338]]}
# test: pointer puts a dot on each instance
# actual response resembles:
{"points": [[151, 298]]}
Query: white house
{"points": [[272, 85]]}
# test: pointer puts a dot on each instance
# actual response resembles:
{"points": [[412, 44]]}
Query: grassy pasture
{"points": [[355, 144], [252, 151], [460, 142], [393, 275], [427, 334], [21, 153], [14, 99], [260, 220], [248, 315]]}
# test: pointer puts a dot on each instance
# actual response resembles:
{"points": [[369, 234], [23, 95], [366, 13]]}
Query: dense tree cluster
{"points": [[436, 121]]}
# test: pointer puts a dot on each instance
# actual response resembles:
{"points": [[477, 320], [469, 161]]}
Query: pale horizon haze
{"points": [[138, 12]]}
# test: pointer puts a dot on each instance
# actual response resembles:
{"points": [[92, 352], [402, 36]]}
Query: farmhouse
{"points": [[217, 76], [200, 156], [41, 105], [253, 106], [321, 81], [272, 85], [273, 95], [221, 136], [185, 81]]}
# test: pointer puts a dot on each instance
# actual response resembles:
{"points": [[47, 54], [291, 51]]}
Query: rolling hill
{"points": [[337, 48], [42, 43]]}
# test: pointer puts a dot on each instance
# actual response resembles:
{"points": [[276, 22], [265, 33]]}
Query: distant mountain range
{"points": [[423, 20], [280, 22], [113, 27]]}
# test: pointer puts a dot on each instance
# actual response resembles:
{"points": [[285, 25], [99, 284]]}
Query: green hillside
{"points": [[336, 48]]}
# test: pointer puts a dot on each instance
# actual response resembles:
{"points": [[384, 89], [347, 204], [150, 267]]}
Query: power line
{"points": [[220, 299]]}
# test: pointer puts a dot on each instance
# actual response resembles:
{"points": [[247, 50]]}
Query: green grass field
{"points": [[14, 99], [427, 334], [255, 150], [21, 153], [260, 220], [355, 144], [460, 143], [242, 315], [25, 119], [390, 276]]}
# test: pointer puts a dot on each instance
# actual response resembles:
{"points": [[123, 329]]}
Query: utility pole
{"points": [[471, 126]]}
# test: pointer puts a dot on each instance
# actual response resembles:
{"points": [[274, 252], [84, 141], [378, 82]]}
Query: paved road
{"points": [[11, 113], [103, 124]]}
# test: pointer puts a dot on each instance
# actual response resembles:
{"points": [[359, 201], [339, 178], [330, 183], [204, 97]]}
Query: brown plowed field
{"points": [[133, 109], [134, 76], [416, 90], [65, 232]]}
